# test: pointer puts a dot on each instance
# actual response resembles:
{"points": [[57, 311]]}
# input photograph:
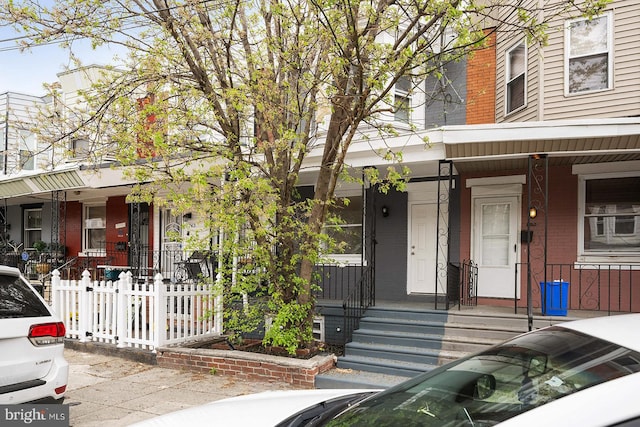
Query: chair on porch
{"points": [[191, 268]]}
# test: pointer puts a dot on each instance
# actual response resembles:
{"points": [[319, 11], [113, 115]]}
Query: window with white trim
{"points": [[516, 78], [588, 65], [95, 227], [611, 217], [28, 148], [402, 100], [32, 227], [349, 233]]}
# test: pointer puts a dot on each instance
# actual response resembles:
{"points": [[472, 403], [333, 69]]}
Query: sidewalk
{"points": [[109, 391]]}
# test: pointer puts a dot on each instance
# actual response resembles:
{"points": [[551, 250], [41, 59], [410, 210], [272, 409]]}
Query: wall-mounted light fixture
{"points": [[385, 211], [533, 212]]}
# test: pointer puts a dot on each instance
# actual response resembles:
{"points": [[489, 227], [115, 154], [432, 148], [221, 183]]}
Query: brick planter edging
{"points": [[246, 365]]}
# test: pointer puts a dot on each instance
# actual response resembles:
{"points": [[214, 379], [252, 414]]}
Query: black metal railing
{"points": [[593, 287], [361, 297], [468, 284], [143, 263], [334, 282]]}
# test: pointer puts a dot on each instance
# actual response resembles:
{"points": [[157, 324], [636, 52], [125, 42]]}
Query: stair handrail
{"points": [[359, 298]]}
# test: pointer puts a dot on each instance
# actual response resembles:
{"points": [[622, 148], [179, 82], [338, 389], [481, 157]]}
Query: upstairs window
{"points": [[516, 63], [402, 100], [27, 150], [589, 59], [79, 148]]}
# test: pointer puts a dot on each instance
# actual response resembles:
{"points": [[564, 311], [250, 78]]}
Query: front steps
{"points": [[394, 344]]}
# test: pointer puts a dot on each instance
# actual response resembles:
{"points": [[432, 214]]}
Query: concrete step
{"points": [[350, 378], [407, 325], [393, 353], [383, 366]]}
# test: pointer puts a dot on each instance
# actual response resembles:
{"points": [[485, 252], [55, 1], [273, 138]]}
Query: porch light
{"points": [[533, 212], [385, 211]]}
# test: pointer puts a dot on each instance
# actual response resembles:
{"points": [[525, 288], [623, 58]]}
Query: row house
{"points": [[531, 176]]}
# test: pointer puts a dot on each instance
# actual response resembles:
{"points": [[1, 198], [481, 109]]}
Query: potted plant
{"points": [[42, 264]]}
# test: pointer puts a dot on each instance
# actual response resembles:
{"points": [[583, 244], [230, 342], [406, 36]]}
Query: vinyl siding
{"points": [[623, 100], [505, 41]]}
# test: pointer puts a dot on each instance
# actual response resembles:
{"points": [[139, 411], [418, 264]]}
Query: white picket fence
{"points": [[140, 315]]}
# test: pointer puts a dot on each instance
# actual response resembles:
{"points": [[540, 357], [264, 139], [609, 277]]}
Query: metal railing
{"points": [[361, 297], [176, 266], [468, 284], [611, 288]]}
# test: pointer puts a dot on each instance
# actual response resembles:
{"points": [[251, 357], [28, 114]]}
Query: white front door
{"points": [[422, 248], [496, 245]]}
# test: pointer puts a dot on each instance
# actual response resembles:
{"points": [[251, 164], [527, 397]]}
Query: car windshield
{"points": [[18, 300], [497, 384]]}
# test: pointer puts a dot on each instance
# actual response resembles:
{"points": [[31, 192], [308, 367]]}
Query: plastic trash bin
{"points": [[555, 296]]}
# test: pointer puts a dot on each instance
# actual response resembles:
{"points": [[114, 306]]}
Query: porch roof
{"points": [[508, 145], [69, 177]]}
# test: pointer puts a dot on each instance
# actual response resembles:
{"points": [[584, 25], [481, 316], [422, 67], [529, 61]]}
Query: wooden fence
{"points": [[140, 315]]}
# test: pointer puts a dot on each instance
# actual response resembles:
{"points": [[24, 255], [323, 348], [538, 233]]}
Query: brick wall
{"points": [[73, 229], [481, 83], [246, 365]]}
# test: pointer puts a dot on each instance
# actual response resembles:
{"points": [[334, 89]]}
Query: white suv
{"points": [[32, 364]]}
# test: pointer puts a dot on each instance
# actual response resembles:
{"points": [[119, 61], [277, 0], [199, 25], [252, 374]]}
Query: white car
{"points": [[582, 373], [32, 364]]}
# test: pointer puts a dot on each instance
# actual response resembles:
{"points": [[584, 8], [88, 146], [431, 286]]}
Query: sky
{"points": [[26, 72]]}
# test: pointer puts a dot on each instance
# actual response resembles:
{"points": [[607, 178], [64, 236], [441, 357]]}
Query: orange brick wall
{"points": [[481, 83]]}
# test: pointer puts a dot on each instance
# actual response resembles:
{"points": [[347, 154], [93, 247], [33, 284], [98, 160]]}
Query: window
{"points": [[516, 72], [32, 227], [612, 216], [27, 150], [95, 220], [402, 100], [80, 148], [588, 66], [348, 234]]}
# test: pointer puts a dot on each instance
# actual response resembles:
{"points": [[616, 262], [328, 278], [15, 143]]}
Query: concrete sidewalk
{"points": [[109, 391]]}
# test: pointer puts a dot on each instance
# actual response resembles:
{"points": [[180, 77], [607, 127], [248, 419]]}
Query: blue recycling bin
{"points": [[555, 296]]}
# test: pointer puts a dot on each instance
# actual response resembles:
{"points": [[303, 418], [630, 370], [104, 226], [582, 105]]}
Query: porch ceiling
{"points": [[467, 166], [507, 146]]}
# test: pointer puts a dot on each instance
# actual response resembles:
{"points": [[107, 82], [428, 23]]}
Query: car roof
{"points": [[621, 329]]}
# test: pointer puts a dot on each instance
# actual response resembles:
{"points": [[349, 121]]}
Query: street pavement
{"points": [[109, 391]]}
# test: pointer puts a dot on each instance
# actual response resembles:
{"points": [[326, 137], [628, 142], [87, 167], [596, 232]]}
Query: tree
{"points": [[232, 97]]}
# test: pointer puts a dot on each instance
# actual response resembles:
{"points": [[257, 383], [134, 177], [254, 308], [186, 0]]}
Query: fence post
{"points": [[121, 309], [159, 312], [55, 298], [84, 316], [218, 305]]}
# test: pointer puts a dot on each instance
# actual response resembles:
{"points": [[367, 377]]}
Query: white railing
{"points": [[140, 315]]}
